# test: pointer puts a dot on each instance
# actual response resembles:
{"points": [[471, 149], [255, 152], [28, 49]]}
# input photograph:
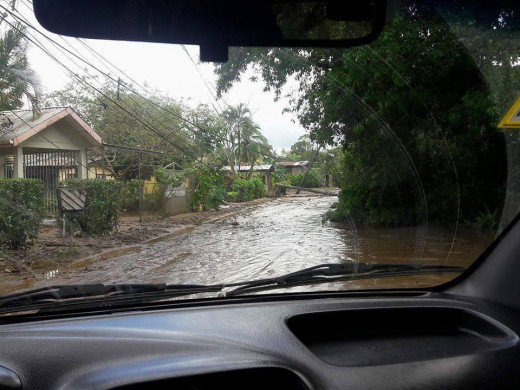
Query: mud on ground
{"points": [[50, 250]]}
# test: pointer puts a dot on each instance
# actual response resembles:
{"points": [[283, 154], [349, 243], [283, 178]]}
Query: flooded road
{"points": [[280, 236]]}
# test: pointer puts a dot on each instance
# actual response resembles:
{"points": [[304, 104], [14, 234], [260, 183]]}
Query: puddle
{"points": [[51, 274]]}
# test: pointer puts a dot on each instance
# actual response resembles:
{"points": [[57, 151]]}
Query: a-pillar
{"points": [[18, 162], [2, 165]]}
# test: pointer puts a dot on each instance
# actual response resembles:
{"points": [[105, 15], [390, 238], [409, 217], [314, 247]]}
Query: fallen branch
{"points": [[308, 190]]}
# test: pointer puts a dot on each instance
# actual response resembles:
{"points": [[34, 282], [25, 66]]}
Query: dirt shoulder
{"points": [[51, 251]]}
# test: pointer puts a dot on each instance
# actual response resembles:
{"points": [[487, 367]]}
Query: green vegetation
{"points": [[130, 193], [208, 186], [19, 81], [245, 190], [22, 209], [312, 179], [412, 112], [101, 213]]}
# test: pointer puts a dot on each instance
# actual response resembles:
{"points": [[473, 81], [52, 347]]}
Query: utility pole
{"points": [[118, 84], [140, 187]]}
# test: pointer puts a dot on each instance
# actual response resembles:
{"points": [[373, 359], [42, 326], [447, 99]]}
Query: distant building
{"points": [[247, 168], [294, 167]]}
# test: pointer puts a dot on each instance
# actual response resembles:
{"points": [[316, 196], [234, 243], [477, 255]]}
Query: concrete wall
{"points": [[177, 200]]}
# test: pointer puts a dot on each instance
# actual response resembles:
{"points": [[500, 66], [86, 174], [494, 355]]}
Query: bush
{"points": [[311, 181], [259, 188], [101, 213], [209, 190], [232, 196], [22, 208], [130, 195], [215, 197], [246, 190]]}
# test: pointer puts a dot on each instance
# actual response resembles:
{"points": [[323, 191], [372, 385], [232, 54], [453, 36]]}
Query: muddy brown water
{"points": [[280, 236]]}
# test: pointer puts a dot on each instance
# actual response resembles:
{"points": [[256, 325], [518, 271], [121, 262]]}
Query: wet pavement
{"points": [[280, 236]]}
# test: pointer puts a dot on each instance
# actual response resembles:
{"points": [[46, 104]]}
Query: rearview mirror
{"points": [[216, 25]]}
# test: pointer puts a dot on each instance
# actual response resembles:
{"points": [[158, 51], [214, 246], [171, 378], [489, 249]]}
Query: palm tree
{"points": [[17, 79], [253, 144], [244, 141]]}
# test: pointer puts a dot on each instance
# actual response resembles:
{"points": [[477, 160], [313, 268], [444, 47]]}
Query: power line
{"points": [[79, 57], [160, 107], [83, 81], [210, 90]]}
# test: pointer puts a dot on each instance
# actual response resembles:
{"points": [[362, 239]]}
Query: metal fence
{"points": [[142, 195], [51, 168]]}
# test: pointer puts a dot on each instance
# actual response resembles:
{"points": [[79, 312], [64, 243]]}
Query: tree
{"points": [[123, 121], [17, 79], [244, 141], [412, 111], [304, 148]]}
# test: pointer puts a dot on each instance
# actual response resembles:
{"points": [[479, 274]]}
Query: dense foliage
{"points": [[22, 209], [412, 111], [207, 187], [312, 179], [157, 122], [243, 190], [101, 213]]}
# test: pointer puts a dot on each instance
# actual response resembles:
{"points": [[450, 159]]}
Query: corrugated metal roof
{"points": [[16, 123], [246, 168], [293, 163]]}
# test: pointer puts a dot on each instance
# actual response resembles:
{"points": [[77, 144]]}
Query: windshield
{"points": [[126, 162]]}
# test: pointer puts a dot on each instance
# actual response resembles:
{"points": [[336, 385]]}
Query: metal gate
{"points": [[50, 167]]}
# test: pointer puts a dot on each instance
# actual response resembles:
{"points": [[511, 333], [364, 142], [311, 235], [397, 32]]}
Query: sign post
{"points": [[512, 118]]}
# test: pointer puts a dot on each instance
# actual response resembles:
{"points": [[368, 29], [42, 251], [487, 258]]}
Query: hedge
{"points": [[311, 181], [101, 213], [244, 190], [22, 209]]}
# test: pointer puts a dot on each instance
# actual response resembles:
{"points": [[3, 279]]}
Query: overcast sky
{"points": [[169, 69]]}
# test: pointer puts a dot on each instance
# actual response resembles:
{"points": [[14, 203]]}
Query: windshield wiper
{"points": [[68, 293], [326, 273]]}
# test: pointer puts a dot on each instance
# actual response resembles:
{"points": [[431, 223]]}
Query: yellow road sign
{"points": [[512, 119]]}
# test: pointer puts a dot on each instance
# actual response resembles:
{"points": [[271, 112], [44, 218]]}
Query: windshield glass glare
{"points": [[127, 162]]}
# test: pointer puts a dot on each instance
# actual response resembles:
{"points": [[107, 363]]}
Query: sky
{"points": [[168, 68]]}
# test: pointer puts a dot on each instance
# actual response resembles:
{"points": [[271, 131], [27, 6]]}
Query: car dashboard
{"points": [[408, 340]]}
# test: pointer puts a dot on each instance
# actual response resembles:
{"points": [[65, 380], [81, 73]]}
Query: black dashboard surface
{"points": [[111, 351]]}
